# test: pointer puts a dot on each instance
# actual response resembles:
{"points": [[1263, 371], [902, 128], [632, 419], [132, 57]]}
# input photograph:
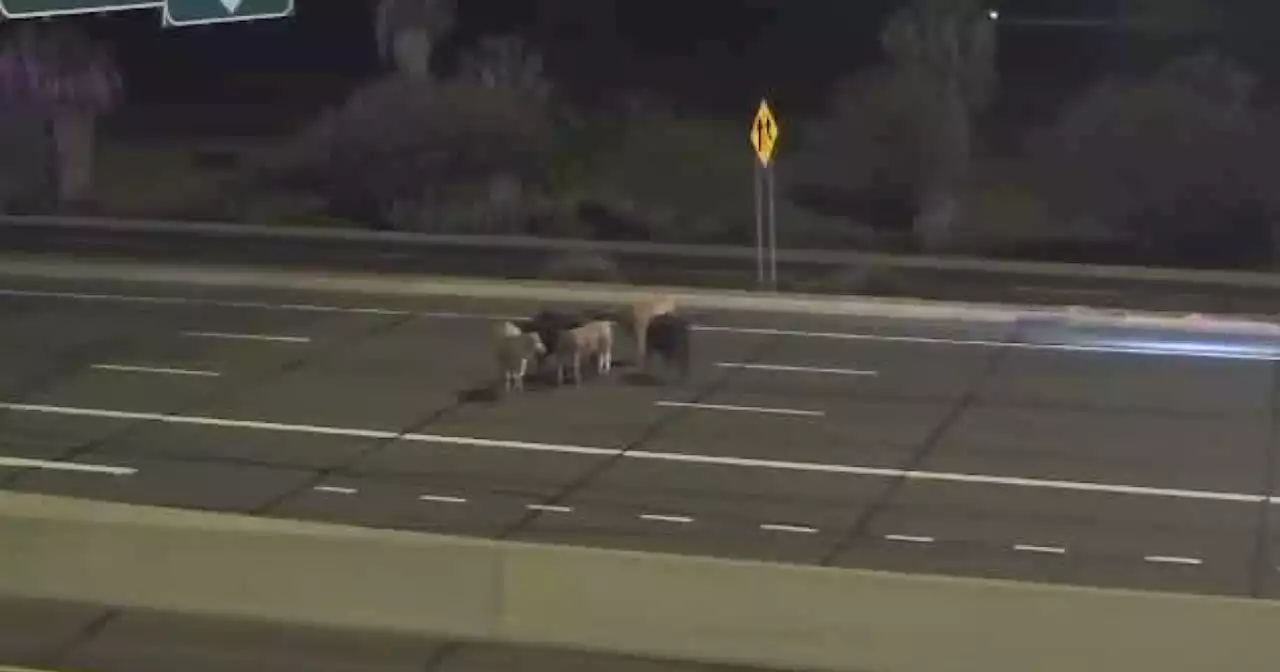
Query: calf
{"points": [[593, 339], [668, 337], [640, 314], [514, 350]]}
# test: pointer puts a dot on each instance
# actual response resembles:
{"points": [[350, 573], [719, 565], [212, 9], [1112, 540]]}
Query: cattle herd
{"points": [[569, 339]]}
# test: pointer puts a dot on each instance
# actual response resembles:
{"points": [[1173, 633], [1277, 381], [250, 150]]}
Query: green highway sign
{"points": [[201, 12], [27, 9]]}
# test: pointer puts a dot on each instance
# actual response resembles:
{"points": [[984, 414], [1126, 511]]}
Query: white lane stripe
{"points": [[666, 519], [336, 490], [908, 538], [553, 508], [503, 443], [794, 369], [740, 409], [128, 368], [710, 328], [1054, 550], [1059, 347], [443, 499], [687, 458], [1173, 560], [800, 529], [886, 472], [52, 465], [186, 301], [247, 337]]}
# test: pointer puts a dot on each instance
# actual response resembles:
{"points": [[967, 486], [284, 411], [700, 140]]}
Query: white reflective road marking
{"points": [[53, 465], [1173, 560], [794, 369], [1054, 550], [665, 519], [443, 499], [685, 458], [129, 368], [740, 409], [247, 337]]}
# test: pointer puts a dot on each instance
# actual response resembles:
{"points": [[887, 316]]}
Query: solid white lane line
{"points": [[187, 301], [52, 465], [794, 369], [1149, 350], [665, 519], [443, 499], [553, 508], [886, 472], [127, 368], [778, 527], [740, 409], [1173, 560], [908, 538], [247, 337], [1055, 550], [509, 444], [713, 460], [336, 490], [986, 343]]}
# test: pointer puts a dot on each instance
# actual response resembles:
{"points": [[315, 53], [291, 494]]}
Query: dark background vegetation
{"points": [[1099, 131]]}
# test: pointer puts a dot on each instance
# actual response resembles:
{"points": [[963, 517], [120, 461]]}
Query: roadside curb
{"points": [[61, 268]]}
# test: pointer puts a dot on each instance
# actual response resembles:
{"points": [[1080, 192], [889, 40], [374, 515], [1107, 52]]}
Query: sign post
{"points": [[764, 138]]}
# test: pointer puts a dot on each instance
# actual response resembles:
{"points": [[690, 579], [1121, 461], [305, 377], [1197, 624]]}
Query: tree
{"points": [[408, 30], [944, 50], [506, 62], [1182, 160], [404, 139], [62, 76]]}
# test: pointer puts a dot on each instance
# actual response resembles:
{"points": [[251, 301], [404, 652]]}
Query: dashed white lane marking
{"points": [[794, 369], [740, 409], [798, 529], [1116, 349], [552, 508], [337, 490], [1173, 560], [53, 465], [443, 499], [686, 458], [661, 518], [268, 338], [909, 538], [1028, 548], [128, 368]]}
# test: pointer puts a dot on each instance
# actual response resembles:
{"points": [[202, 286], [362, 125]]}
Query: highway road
{"points": [[1024, 451], [76, 638]]}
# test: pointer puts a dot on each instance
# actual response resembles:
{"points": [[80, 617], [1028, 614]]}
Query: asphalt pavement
{"points": [[57, 636], [1023, 451]]}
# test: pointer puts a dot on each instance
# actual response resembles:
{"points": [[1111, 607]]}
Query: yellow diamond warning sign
{"points": [[764, 133]]}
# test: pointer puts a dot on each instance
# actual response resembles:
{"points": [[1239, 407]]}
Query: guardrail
{"points": [[652, 605], [945, 278]]}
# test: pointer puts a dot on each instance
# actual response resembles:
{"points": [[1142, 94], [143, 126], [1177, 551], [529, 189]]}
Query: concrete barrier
{"points": [[697, 609], [406, 285], [869, 260]]}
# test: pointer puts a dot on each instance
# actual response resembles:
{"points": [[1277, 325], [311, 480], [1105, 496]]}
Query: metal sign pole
{"points": [[773, 230], [759, 226]]}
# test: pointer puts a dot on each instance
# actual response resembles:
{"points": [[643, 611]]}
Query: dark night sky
{"points": [[716, 55], [711, 51]]}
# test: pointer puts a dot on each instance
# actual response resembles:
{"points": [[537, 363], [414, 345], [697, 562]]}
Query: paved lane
{"points": [[1016, 451], [85, 639]]}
